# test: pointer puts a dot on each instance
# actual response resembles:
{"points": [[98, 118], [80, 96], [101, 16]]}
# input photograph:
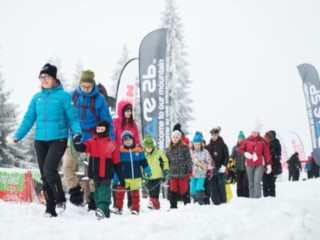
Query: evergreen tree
{"points": [[76, 76], [177, 73], [26, 147], [112, 87], [9, 156], [23, 154]]}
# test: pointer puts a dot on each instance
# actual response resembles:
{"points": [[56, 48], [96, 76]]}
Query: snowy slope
{"points": [[293, 214]]}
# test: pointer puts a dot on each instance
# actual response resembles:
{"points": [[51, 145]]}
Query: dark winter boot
{"points": [[76, 196], [50, 203], [174, 199], [245, 192], [200, 197], [92, 203], [55, 184], [186, 198]]}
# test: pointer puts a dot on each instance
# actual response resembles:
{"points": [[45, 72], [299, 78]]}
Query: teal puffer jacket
{"points": [[53, 112]]}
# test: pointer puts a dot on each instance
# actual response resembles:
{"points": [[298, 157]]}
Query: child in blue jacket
{"points": [[132, 158]]}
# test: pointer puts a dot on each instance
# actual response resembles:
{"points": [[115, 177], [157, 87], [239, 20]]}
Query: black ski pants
{"points": [[153, 187], [269, 184], [49, 154], [218, 194], [242, 184]]}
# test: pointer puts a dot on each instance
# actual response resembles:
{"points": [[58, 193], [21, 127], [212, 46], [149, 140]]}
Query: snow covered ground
{"points": [[293, 214]]}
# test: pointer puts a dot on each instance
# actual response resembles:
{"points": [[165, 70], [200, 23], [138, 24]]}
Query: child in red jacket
{"points": [[104, 160]]}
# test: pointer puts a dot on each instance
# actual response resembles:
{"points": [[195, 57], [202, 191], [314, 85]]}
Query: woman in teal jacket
{"points": [[53, 112]]}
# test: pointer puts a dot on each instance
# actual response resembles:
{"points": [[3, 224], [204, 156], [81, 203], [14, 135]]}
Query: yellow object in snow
{"points": [[229, 192]]}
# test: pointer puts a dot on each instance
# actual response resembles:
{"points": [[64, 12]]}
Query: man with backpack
{"points": [[92, 108]]}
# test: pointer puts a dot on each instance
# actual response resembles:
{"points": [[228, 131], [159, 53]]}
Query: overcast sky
{"points": [[243, 54]]}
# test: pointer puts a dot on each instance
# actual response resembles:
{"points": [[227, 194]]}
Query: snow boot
{"points": [[76, 196], [174, 199], [50, 204], [50, 211], [116, 210], [60, 207], [154, 204], [186, 198], [194, 198], [134, 212], [200, 197], [99, 214]]}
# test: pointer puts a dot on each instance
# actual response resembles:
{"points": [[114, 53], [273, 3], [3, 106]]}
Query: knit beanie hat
{"points": [[126, 107], [197, 138], [215, 130], [126, 134], [148, 142], [176, 133], [88, 77], [49, 69], [241, 135], [178, 127]]}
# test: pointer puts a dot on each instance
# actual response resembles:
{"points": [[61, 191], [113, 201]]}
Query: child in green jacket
{"points": [[159, 165]]}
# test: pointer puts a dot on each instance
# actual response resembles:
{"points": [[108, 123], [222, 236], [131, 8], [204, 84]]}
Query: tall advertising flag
{"points": [[126, 85], [311, 89], [155, 115]]}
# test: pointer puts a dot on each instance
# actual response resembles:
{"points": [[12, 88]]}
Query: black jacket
{"points": [[219, 152]]}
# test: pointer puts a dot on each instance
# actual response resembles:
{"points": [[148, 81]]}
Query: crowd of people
{"points": [[119, 162]]}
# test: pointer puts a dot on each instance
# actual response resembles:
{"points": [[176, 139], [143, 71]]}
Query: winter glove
{"points": [[254, 157], [268, 169], [14, 141], [147, 170], [76, 139], [165, 175], [122, 183], [222, 169], [248, 155]]}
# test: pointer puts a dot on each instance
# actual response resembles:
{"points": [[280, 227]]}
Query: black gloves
{"points": [[76, 139], [165, 175]]}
